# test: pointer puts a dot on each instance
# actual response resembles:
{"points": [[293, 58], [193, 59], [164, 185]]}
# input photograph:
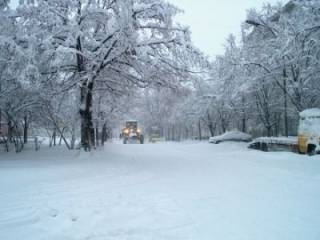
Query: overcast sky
{"points": [[211, 21]]}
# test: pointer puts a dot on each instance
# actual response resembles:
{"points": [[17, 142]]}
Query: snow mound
{"points": [[231, 136], [312, 112]]}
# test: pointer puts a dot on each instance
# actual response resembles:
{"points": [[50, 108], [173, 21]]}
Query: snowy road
{"points": [[163, 191]]}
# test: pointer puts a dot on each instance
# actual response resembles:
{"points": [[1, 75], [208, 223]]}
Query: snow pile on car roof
{"points": [[312, 112], [231, 136]]}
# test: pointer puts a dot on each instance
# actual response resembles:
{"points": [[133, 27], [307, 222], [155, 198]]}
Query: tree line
{"points": [[76, 68], [261, 82], [65, 65]]}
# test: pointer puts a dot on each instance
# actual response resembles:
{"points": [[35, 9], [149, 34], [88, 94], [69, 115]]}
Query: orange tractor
{"points": [[131, 133]]}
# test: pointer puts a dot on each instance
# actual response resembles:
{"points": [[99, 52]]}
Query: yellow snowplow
{"points": [[131, 133], [309, 132]]}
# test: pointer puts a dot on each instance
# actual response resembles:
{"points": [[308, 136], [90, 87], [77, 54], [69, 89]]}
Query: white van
{"points": [[309, 131]]}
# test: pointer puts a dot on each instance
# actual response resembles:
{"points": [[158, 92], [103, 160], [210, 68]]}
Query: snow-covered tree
{"points": [[108, 44]]}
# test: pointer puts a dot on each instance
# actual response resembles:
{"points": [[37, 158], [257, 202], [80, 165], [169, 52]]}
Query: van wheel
{"points": [[312, 150]]}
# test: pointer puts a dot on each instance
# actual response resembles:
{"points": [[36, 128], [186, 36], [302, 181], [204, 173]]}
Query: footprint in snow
{"points": [[73, 218], [53, 213]]}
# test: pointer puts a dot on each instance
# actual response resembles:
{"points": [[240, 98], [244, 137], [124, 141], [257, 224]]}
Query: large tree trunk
{"points": [[97, 135], [87, 128], [25, 129], [244, 125], [10, 130], [199, 130], [211, 129], [104, 134], [54, 136], [269, 130], [244, 117]]}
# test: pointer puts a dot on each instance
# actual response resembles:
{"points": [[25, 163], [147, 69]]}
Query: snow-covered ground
{"points": [[161, 191]]}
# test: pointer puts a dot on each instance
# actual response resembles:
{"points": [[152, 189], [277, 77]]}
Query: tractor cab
{"points": [[131, 133], [309, 131]]}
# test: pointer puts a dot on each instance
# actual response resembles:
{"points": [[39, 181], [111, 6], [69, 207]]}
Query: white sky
{"points": [[211, 21]]}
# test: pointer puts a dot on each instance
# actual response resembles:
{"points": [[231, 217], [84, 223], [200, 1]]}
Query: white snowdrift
{"points": [[231, 136]]}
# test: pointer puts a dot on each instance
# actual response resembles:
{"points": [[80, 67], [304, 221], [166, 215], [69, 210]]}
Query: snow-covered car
{"points": [[275, 144], [235, 136]]}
